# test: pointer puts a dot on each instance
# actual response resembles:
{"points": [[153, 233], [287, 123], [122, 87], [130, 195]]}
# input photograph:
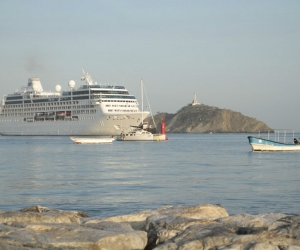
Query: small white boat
{"points": [[262, 144], [144, 132], [94, 140], [136, 135]]}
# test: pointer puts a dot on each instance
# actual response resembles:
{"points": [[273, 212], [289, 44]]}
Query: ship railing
{"points": [[279, 133]]}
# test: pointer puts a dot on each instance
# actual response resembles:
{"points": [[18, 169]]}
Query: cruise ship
{"points": [[91, 109]]}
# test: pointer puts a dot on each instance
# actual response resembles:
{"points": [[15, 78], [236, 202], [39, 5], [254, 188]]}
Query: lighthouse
{"points": [[195, 101]]}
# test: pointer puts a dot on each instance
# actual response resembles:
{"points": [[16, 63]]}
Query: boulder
{"points": [[202, 227], [238, 232], [43, 228], [169, 222]]}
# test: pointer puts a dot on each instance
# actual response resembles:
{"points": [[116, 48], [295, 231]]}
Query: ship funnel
{"points": [[35, 84]]}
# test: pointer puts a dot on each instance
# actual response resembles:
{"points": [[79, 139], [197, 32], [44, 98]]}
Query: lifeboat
{"points": [[61, 113]]}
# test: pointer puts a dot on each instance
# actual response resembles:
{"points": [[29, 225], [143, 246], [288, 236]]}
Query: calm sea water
{"points": [[124, 177]]}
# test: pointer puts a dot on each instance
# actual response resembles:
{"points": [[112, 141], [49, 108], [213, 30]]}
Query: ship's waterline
{"points": [[89, 125]]}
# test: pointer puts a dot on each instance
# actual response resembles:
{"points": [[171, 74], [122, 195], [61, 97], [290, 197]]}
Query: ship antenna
{"points": [[87, 78], [142, 101]]}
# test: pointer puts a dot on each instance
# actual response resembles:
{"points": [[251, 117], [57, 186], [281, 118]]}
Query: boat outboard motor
{"points": [[296, 141]]}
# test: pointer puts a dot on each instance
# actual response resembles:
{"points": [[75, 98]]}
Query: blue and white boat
{"points": [[262, 144]]}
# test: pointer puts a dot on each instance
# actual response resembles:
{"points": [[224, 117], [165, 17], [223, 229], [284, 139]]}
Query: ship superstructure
{"points": [[91, 109]]}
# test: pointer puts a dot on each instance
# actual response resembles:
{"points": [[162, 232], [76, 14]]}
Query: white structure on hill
{"points": [[195, 101]]}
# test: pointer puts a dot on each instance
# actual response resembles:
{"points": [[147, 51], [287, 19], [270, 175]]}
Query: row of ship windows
{"points": [[79, 118], [96, 92], [18, 97], [84, 111], [56, 104], [93, 111], [48, 108], [57, 100], [121, 110], [73, 112], [40, 104], [118, 101], [120, 106], [104, 86]]}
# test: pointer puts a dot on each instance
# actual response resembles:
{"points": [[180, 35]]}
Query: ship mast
{"points": [[143, 89], [142, 101], [87, 78]]}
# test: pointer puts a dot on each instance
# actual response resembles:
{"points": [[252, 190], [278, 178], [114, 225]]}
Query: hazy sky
{"points": [[240, 55]]}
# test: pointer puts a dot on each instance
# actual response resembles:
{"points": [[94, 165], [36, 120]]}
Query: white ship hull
{"points": [[105, 125]]}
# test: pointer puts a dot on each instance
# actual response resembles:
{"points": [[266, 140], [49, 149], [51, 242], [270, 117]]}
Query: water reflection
{"points": [[125, 176]]}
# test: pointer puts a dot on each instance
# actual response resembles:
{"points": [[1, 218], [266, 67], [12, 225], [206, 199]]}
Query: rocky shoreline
{"points": [[204, 226]]}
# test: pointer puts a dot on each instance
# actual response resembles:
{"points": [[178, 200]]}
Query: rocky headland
{"points": [[199, 227], [205, 119]]}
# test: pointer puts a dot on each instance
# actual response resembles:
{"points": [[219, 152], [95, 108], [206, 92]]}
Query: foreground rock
{"points": [[172, 227], [43, 228]]}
